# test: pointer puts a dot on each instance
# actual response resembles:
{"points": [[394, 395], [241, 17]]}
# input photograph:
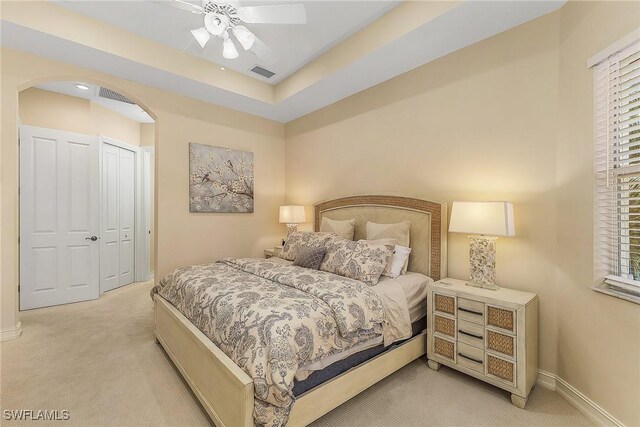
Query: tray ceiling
{"points": [[328, 24]]}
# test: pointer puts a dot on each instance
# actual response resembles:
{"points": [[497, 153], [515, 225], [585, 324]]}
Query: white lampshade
{"points": [[244, 36], [292, 214], [489, 218], [229, 50], [201, 35]]}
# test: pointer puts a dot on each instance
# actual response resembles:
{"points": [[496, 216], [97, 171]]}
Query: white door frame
{"points": [[141, 263], [147, 209]]}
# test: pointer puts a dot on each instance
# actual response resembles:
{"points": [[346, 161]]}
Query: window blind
{"points": [[617, 168]]}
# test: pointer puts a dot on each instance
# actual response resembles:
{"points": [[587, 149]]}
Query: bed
{"points": [[228, 393]]}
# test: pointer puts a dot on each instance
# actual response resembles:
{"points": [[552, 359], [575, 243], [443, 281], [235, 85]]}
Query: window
{"points": [[617, 171]]}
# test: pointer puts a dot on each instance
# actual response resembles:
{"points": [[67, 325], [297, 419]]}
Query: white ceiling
{"points": [[130, 111], [328, 24]]}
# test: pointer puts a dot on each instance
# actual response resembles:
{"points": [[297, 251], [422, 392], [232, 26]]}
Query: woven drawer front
{"points": [[444, 348], [444, 304], [445, 326], [501, 343], [500, 318], [500, 368]]}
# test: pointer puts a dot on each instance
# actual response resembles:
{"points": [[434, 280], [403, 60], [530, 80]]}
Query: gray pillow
{"points": [[310, 257], [300, 239]]}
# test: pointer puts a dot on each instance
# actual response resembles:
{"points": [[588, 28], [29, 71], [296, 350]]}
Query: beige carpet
{"points": [[99, 361]]}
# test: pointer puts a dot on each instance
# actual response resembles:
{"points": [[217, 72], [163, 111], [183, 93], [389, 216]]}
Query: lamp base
{"points": [[493, 287], [291, 228], [482, 262]]}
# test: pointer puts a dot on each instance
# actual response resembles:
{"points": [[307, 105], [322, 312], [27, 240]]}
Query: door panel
{"points": [[43, 172], [79, 263], [59, 211], [45, 261], [79, 188], [118, 216]]}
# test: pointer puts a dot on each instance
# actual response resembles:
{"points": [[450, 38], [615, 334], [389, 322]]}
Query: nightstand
{"points": [[490, 335], [268, 253]]}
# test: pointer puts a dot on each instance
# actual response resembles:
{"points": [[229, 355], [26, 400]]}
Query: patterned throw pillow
{"points": [[300, 239], [398, 232], [363, 260], [310, 257], [345, 229]]}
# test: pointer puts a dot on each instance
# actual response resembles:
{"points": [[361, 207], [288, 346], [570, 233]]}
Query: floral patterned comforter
{"points": [[271, 319]]}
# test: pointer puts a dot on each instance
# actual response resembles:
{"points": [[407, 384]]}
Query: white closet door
{"points": [[127, 216], [59, 215], [110, 253], [118, 217]]}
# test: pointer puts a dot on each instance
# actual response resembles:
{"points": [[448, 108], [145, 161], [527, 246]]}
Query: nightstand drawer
{"points": [[444, 325], [501, 343], [444, 348], [470, 357], [471, 311], [471, 333], [444, 304], [501, 369], [501, 318]]}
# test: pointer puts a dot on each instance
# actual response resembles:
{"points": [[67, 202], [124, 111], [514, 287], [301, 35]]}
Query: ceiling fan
{"points": [[222, 18]]}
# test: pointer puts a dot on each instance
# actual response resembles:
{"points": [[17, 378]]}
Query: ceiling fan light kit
{"points": [[229, 50], [222, 17], [216, 23]]}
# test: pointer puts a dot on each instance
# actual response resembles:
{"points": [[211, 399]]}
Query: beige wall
{"points": [[459, 128], [182, 237], [509, 118], [53, 110], [598, 336]]}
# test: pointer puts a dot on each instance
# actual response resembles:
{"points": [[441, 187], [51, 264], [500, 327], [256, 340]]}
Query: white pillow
{"points": [[397, 262], [345, 229]]}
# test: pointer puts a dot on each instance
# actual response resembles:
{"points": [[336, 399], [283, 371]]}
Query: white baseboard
{"points": [[547, 380], [11, 333], [581, 402]]}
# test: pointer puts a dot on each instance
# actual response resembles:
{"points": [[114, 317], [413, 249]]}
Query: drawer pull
{"points": [[470, 358], [480, 337], [470, 311]]}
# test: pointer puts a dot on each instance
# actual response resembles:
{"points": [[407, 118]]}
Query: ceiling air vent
{"points": [[109, 94], [262, 71]]}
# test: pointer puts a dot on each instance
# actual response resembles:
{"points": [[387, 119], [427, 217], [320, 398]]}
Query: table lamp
{"points": [[292, 216], [484, 221]]}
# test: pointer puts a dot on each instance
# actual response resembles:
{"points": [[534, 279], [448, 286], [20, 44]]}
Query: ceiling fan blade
{"points": [[182, 5], [234, 3], [264, 52], [274, 14]]}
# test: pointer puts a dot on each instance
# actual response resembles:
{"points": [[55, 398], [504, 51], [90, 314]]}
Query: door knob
{"points": [[92, 238]]}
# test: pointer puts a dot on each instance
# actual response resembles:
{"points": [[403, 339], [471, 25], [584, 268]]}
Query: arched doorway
{"points": [[86, 192]]}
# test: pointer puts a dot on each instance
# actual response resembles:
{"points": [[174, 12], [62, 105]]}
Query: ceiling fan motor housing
{"points": [[222, 9]]}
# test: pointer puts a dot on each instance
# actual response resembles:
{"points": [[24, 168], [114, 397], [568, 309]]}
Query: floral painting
{"points": [[220, 179]]}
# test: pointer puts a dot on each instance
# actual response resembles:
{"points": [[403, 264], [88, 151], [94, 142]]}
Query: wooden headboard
{"points": [[428, 233]]}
